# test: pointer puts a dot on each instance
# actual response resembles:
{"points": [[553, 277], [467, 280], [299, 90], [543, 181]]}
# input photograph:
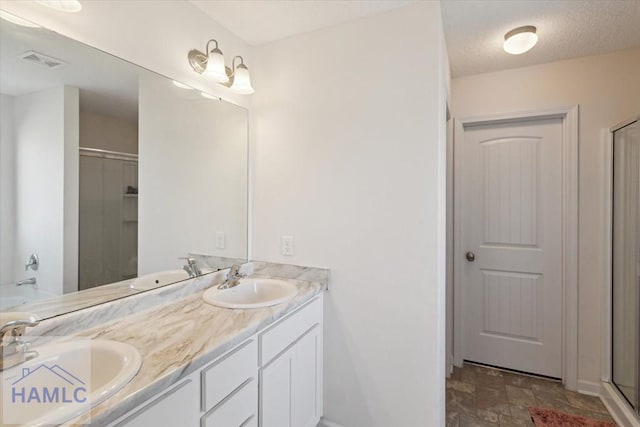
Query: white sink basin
{"points": [[65, 380], [161, 278], [251, 293]]}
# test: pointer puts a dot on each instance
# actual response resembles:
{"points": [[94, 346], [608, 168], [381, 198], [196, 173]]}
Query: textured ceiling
{"points": [[263, 21], [474, 30]]}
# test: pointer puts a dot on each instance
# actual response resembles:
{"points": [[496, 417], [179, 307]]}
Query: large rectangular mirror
{"points": [[109, 172]]}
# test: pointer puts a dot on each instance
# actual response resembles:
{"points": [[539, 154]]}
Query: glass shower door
{"points": [[626, 262]]}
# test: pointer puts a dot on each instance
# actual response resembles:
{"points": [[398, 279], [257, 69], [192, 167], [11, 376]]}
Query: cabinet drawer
{"points": [[239, 410], [229, 373], [280, 336], [162, 411]]}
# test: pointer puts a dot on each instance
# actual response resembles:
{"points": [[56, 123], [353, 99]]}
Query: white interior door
{"points": [[511, 238]]}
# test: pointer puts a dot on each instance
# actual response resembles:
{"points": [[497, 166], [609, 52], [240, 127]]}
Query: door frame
{"points": [[569, 117], [607, 211]]}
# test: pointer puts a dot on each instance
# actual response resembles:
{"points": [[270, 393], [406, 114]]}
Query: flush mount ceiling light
{"points": [[70, 6], [17, 20], [520, 40], [211, 64]]}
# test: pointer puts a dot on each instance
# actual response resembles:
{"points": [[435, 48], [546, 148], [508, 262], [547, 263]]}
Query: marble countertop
{"points": [[60, 304], [57, 305], [180, 337]]}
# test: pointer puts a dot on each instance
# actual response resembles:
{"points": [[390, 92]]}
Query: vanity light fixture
{"points": [[211, 64], [17, 20], [520, 40], [70, 6]]}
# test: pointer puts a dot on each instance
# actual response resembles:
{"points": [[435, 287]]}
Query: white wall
{"points": [[154, 34], [108, 133], [7, 192], [192, 176], [349, 129], [45, 133], [608, 91]]}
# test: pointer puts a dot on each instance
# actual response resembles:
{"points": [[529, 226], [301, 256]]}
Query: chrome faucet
{"points": [[233, 277], [32, 263], [191, 267], [13, 350], [29, 281]]}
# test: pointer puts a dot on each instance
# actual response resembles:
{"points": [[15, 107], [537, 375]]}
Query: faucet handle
{"points": [[234, 270], [192, 266], [17, 322], [33, 262]]}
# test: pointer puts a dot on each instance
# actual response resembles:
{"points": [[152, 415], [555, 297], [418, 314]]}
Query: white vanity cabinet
{"points": [[273, 379]]}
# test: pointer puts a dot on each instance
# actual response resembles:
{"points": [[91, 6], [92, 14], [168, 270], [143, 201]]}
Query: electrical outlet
{"points": [[220, 240], [287, 245]]}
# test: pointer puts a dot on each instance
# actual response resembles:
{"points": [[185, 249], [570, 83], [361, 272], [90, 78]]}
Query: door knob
{"points": [[470, 256]]}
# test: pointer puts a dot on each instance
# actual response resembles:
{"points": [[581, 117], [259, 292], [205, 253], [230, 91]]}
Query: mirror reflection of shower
{"points": [[37, 137], [108, 232]]}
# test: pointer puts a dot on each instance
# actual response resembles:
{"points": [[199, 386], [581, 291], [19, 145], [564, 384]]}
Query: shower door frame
{"points": [[613, 399]]}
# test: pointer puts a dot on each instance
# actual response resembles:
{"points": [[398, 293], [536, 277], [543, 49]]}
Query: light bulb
{"points": [[215, 67], [242, 81]]}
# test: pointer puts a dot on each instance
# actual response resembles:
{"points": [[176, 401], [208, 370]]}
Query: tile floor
{"points": [[479, 397]]}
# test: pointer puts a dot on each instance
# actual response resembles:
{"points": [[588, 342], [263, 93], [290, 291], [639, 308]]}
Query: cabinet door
{"points": [[306, 380], [291, 388], [275, 392]]}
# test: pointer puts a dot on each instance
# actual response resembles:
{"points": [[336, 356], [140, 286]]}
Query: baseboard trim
{"points": [[589, 387], [326, 423], [617, 407]]}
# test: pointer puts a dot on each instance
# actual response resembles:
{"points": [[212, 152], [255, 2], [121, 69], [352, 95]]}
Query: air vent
{"points": [[44, 60]]}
